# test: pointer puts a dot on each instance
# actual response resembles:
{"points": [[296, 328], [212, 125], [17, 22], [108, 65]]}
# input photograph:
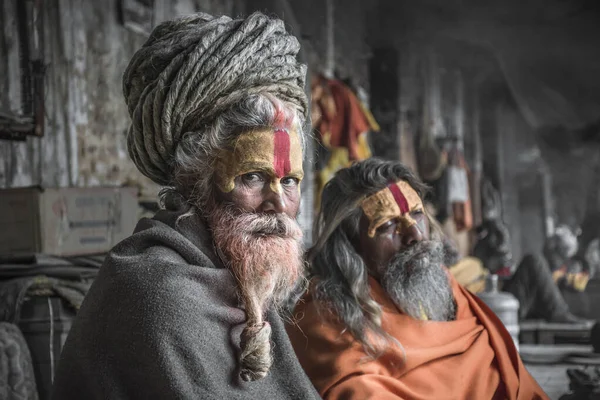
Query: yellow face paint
{"points": [[277, 153], [395, 202]]}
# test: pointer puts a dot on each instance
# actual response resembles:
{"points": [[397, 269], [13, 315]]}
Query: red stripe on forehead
{"points": [[281, 120], [281, 160], [399, 197]]}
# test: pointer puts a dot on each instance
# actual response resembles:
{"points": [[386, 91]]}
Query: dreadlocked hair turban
{"points": [[192, 69]]}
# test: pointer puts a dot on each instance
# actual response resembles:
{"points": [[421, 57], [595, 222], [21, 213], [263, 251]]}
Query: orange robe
{"points": [[470, 358]]}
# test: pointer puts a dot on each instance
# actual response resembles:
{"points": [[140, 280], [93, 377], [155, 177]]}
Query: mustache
{"points": [[260, 224], [432, 249]]}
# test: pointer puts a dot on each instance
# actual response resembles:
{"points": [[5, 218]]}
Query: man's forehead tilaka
{"points": [[281, 146], [277, 152], [396, 201]]}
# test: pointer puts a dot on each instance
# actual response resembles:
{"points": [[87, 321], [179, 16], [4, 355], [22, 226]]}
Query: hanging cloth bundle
{"points": [[458, 190], [341, 122], [432, 160], [491, 203]]}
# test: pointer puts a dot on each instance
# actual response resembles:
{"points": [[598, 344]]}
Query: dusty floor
{"points": [[548, 364]]}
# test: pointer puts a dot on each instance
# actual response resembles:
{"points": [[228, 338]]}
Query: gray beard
{"points": [[417, 283]]}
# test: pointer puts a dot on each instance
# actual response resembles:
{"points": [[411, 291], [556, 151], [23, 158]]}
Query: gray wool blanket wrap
{"points": [[162, 321]]}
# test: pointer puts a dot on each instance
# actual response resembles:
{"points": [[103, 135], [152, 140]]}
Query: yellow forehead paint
{"points": [[396, 201], [424, 316], [278, 153]]}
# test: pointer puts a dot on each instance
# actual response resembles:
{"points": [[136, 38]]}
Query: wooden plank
{"points": [[527, 337], [541, 332], [4, 99], [7, 36], [9, 59], [50, 159], [20, 167], [555, 326], [12, 48], [56, 157], [77, 104]]}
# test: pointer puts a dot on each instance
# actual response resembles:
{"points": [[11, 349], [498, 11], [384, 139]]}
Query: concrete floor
{"points": [[552, 378], [548, 364]]}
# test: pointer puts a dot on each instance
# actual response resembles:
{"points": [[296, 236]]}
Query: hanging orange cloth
{"points": [[472, 357], [342, 122], [343, 117]]}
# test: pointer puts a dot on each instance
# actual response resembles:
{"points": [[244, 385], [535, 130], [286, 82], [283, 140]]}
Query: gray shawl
{"points": [[162, 321]]}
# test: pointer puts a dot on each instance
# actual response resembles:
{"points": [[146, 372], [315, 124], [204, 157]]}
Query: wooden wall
{"points": [[87, 50]]}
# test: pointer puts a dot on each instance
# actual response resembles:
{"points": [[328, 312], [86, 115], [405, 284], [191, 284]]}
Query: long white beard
{"points": [[418, 284]]}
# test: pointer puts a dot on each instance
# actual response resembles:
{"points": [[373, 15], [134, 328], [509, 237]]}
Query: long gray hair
{"points": [[341, 276]]}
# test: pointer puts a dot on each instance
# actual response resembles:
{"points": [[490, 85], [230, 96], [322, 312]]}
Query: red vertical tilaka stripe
{"points": [[399, 197], [281, 159]]}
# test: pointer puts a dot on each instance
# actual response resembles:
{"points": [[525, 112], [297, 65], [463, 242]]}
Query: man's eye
{"points": [[290, 182], [252, 177], [386, 227], [415, 213]]}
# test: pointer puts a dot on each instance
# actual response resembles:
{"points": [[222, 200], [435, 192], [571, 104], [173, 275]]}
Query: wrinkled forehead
{"points": [[397, 198], [396, 201], [278, 149]]}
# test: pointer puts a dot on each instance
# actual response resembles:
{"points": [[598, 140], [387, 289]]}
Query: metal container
{"points": [[504, 305]]}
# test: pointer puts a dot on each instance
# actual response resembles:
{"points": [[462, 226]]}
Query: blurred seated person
{"points": [[572, 267], [468, 271], [531, 281]]}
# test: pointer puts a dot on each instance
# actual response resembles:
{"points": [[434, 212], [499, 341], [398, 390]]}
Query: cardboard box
{"points": [[65, 222]]}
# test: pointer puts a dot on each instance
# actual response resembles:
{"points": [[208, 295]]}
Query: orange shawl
{"points": [[472, 357]]}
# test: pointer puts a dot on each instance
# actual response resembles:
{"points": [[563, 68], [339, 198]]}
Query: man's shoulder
{"points": [[159, 271], [159, 264], [156, 242], [308, 303], [167, 294], [316, 320]]}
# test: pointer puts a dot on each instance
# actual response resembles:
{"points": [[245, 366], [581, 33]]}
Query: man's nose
{"points": [[411, 235], [273, 201]]}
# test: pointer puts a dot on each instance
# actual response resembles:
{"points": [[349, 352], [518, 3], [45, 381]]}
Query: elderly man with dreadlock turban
{"points": [[383, 317], [189, 306]]}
